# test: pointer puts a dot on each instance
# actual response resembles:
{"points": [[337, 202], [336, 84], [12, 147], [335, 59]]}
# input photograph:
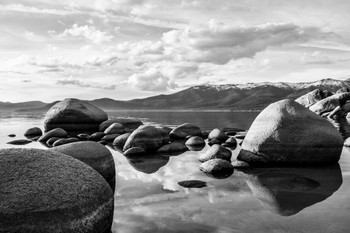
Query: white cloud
{"points": [[34, 10], [87, 32], [79, 83], [151, 80], [318, 57]]}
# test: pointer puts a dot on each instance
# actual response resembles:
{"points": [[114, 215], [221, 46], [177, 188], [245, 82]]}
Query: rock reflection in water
{"points": [[148, 163], [287, 191]]}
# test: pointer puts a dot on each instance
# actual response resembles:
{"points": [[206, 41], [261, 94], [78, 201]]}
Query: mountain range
{"points": [[250, 96]]}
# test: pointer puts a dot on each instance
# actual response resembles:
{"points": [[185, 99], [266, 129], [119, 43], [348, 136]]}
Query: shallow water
{"points": [[149, 199]]}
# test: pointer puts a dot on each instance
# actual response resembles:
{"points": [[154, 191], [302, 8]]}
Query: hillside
{"points": [[250, 96]]}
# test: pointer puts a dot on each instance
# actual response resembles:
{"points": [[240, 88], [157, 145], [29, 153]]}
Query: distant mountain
{"points": [[250, 96], [14, 106]]}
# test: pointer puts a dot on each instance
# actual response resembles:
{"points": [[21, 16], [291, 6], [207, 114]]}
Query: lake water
{"points": [[149, 199]]}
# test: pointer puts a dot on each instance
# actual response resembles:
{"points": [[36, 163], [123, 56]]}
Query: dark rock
{"points": [[217, 134], [52, 140], [174, 147], [165, 134], [33, 132], [240, 164], [181, 131], [74, 115], [96, 136], [205, 134], [285, 133], [93, 154], [58, 132], [128, 123], [347, 142], [195, 141], [147, 137], [49, 192], [63, 141], [216, 152], [119, 141], [102, 142], [115, 128], [83, 136], [134, 152], [330, 103], [217, 168], [110, 137], [35, 138], [192, 184], [150, 163], [214, 142], [231, 143], [12, 135], [19, 142], [240, 137]]}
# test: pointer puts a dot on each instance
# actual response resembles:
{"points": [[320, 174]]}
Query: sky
{"points": [[127, 49]]}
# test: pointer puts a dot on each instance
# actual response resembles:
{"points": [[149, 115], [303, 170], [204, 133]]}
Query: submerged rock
{"points": [[33, 132], [74, 115], [147, 137], [286, 133], [93, 154], [217, 168], [216, 152], [174, 147], [150, 163], [50, 192], [19, 142], [57, 132], [192, 184]]}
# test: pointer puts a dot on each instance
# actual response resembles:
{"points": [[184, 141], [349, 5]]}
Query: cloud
{"points": [[78, 83], [151, 80], [87, 32], [30, 9], [320, 58]]}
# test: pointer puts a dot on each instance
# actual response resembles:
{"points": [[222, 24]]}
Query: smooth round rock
{"points": [[231, 142], [57, 132], [213, 142], [192, 184], [109, 137], [120, 141], [33, 132], [181, 131], [147, 137], [310, 98], [217, 134], [195, 141], [287, 134], [74, 115], [83, 136], [128, 123], [96, 136], [134, 152], [52, 140], [330, 103], [216, 152], [49, 192], [11, 135], [115, 128], [217, 168], [63, 141], [93, 154]]}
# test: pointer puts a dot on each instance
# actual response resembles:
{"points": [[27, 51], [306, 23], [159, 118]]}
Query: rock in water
{"points": [[172, 148], [58, 132], [217, 168], [74, 115], [129, 123], [217, 134], [147, 137], [96, 136], [286, 133], [330, 103], [93, 154], [49, 192], [192, 184], [181, 131], [134, 152], [19, 142], [195, 141], [119, 141], [311, 98], [63, 141], [115, 128], [33, 132], [216, 152]]}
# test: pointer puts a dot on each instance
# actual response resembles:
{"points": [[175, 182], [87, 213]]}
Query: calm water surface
{"points": [[148, 198]]}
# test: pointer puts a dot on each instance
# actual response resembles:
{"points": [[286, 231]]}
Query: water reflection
{"points": [[287, 191], [148, 163]]}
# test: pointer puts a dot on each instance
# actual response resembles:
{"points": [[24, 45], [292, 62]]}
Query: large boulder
{"points": [[311, 98], [49, 192], [74, 115], [286, 133], [330, 103], [147, 137], [93, 154]]}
